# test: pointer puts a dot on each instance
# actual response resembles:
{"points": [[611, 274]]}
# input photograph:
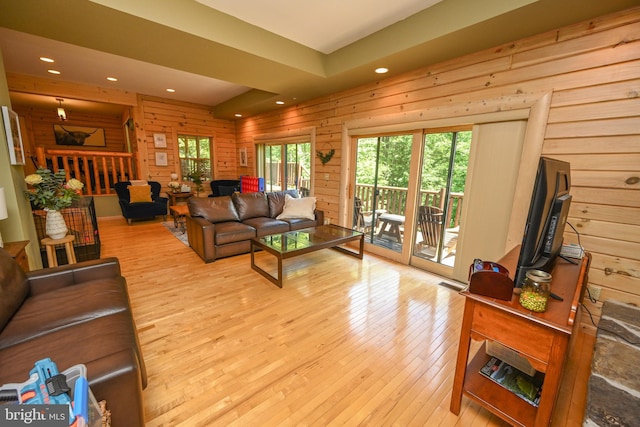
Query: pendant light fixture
{"points": [[62, 115]]}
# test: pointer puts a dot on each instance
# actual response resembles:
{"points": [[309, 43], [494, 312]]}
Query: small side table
{"points": [[17, 251], [50, 244], [179, 212], [175, 198]]}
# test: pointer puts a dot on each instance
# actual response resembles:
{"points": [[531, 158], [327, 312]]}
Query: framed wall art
{"points": [[159, 140], [14, 137], [243, 157], [161, 159], [79, 136]]}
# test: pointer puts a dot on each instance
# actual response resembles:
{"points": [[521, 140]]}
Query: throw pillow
{"points": [[298, 208], [139, 193]]}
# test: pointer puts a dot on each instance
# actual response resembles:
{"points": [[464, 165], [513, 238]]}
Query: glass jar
{"points": [[535, 291]]}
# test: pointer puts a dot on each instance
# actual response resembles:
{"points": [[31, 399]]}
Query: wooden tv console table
{"points": [[543, 338]]}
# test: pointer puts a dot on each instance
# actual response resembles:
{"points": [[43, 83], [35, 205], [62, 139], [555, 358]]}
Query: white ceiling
{"points": [[325, 25]]}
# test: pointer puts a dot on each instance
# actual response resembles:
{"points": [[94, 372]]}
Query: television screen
{"points": [[548, 211]]}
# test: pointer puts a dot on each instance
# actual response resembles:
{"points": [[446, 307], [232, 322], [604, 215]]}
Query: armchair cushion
{"points": [[140, 194]]}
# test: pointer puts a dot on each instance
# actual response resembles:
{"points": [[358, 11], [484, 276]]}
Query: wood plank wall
{"points": [[159, 115], [593, 72], [39, 126]]}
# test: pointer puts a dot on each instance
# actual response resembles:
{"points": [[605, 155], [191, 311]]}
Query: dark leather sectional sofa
{"points": [[223, 226], [73, 314]]}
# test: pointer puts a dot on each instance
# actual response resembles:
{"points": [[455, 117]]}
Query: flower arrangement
{"points": [[196, 178], [50, 190], [174, 185]]}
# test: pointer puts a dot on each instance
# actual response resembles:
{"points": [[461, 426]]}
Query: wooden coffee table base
{"points": [[281, 255]]}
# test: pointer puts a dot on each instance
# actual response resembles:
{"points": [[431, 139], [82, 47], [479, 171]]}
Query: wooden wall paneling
{"points": [[603, 212], [593, 70], [42, 121], [625, 89], [611, 197], [593, 144], [174, 118], [623, 179], [577, 45]]}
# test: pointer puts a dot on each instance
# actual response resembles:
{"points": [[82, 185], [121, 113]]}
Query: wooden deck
{"points": [[346, 342]]}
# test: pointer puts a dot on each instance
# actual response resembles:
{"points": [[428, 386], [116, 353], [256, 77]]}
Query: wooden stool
{"points": [[50, 244]]}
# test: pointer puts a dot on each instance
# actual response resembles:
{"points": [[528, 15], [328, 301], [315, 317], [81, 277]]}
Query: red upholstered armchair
{"points": [[141, 201]]}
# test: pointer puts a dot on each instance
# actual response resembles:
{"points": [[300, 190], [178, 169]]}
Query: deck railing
{"points": [[98, 170], [393, 200]]}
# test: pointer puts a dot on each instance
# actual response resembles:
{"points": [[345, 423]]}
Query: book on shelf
{"points": [[525, 386]]}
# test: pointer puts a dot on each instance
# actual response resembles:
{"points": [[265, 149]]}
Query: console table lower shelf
{"points": [[543, 339], [299, 242]]}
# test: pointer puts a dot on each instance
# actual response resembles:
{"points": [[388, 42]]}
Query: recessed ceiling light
{"points": [[238, 115], [112, 79], [280, 102], [45, 59], [54, 71], [171, 90], [382, 70]]}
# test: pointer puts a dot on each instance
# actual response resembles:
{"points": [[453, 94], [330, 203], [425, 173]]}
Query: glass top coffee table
{"points": [[299, 242]]}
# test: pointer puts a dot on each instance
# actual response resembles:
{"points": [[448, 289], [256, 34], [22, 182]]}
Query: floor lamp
{"points": [[3, 211]]}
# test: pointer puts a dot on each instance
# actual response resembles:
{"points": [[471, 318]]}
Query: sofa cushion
{"points": [[276, 201], [14, 287], [65, 307], [298, 208], [91, 343], [213, 209], [229, 232], [299, 223], [251, 205], [265, 226]]}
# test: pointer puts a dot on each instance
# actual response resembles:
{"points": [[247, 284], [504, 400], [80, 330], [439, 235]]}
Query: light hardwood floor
{"points": [[345, 342]]}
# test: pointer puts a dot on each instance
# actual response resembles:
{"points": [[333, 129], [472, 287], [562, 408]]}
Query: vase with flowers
{"points": [[52, 192], [174, 186]]}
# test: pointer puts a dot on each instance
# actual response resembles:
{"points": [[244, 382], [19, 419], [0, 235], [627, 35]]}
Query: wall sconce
{"points": [[62, 115], [3, 211]]}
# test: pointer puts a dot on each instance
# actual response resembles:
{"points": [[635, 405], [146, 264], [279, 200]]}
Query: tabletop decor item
{"points": [[52, 192], [174, 186]]}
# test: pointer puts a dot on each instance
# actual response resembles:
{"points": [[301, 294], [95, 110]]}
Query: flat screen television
{"points": [[548, 211]]}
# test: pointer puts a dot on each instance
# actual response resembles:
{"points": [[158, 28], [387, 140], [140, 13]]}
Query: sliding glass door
{"points": [[382, 180], [445, 158]]}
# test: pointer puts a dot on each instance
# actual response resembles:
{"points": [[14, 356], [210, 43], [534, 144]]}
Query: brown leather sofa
{"points": [[222, 226], [73, 314]]}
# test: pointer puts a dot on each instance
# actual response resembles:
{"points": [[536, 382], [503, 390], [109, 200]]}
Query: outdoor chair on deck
{"points": [[430, 224], [362, 221]]}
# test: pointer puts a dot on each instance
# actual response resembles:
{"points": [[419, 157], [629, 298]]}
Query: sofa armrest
{"points": [[48, 279], [319, 217], [201, 235]]}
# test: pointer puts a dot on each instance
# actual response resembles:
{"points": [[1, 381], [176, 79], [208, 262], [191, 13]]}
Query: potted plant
{"points": [[52, 192], [196, 178]]}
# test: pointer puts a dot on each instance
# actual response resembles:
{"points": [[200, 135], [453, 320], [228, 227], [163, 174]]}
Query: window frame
{"points": [[185, 175]]}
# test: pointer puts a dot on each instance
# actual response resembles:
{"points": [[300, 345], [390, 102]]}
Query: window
{"points": [[195, 157], [285, 166]]}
